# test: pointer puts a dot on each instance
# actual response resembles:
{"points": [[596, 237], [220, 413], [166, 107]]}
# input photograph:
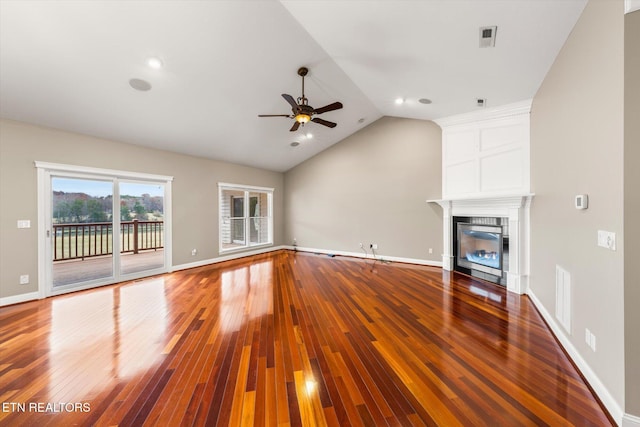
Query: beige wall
{"points": [[577, 148], [632, 211], [194, 192], [371, 188]]}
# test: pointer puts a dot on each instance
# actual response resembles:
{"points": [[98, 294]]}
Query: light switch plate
{"points": [[24, 223]]}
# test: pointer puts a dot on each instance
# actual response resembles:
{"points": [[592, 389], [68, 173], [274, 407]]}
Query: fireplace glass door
{"points": [[480, 247]]}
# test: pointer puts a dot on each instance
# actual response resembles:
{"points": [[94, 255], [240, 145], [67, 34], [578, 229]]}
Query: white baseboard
{"points": [[301, 249], [31, 296], [607, 399], [630, 421], [229, 257], [17, 299], [368, 256]]}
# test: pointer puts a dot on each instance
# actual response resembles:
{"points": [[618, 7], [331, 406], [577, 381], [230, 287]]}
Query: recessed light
{"points": [[294, 144], [155, 63], [424, 101], [399, 101], [309, 135], [139, 84], [361, 120]]}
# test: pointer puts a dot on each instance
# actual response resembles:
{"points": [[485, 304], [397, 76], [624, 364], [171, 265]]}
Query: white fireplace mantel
{"points": [[516, 208]]}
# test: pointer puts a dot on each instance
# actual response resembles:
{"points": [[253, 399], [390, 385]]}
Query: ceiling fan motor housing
{"points": [[306, 109]]}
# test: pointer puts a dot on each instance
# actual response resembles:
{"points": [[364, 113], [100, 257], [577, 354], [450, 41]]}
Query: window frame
{"points": [[247, 190]]}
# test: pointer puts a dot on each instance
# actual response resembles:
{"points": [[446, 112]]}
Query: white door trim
{"points": [[44, 172]]}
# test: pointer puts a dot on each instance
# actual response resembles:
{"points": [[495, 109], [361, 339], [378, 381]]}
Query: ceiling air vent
{"points": [[488, 36]]}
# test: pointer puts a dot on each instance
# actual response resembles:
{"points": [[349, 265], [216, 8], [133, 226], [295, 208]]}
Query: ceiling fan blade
{"points": [[274, 115], [323, 122], [330, 107], [291, 101], [295, 126]]}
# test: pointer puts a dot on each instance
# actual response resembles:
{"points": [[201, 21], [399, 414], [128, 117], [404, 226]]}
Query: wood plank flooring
{"points": [[289, 339]]}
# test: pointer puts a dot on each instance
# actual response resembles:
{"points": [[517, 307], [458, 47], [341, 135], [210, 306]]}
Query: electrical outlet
{"points": [[430, 250], [361, 246], [24, 279], [373, 246], [194, 252], [593, 342]]}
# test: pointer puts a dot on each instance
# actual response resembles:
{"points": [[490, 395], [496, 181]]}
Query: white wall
{"points": [[577, 148], [632, 212], [371, 188], [195, 193]]}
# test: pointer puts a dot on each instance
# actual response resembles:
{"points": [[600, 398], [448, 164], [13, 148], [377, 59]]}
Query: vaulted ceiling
{"points": [[68, 65]]}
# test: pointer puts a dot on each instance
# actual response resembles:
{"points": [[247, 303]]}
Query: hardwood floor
{"points": [[289, 339]]}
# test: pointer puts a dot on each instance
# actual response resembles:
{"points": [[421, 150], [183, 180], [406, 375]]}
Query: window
{"points": [[246, 218]]}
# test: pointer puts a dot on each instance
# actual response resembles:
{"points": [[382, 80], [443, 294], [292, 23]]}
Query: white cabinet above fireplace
{"points": [[486, 153]]}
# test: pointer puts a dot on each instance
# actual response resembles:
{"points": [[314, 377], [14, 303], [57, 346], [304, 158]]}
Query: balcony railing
{"points": [[80, 241]]}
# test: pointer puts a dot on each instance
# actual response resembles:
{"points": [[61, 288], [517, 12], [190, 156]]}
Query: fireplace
{"points": [[481, 247], [511, 214]]}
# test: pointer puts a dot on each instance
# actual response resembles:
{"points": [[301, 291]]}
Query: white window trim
{"points": [[58, 167], [246, 188]]}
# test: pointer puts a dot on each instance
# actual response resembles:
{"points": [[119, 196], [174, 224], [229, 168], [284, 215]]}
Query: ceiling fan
{"points": [[302, 112]]}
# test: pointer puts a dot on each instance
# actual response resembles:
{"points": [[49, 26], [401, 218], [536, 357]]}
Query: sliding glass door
{"points": [[141, 227], [81, 230], [100, 227]]}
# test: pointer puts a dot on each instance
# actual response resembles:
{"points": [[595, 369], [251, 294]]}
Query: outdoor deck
{"points": [[78, 270]]}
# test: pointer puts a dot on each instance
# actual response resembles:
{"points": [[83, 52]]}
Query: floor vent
{"points": [[563, 298]]}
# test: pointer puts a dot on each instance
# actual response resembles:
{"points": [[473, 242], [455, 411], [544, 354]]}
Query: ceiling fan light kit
{"points": [[302, 118], [302, 112]]}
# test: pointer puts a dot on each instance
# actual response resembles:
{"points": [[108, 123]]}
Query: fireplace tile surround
{"points": [[514, 207]]}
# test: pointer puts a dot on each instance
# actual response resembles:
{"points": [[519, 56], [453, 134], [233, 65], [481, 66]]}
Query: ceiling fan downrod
{"points": [[303, 71]]}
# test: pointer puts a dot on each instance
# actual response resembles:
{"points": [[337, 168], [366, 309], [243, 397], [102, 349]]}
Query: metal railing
{"points": [[80, 241]]}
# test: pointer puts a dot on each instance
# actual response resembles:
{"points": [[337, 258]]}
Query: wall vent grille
{"points": [[488, 36]]}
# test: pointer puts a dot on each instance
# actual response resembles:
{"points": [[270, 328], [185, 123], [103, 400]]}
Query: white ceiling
{"points": [[67, 64]]}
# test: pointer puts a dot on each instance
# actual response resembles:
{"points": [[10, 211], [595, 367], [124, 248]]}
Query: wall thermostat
{"points": [[582, 201]]}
